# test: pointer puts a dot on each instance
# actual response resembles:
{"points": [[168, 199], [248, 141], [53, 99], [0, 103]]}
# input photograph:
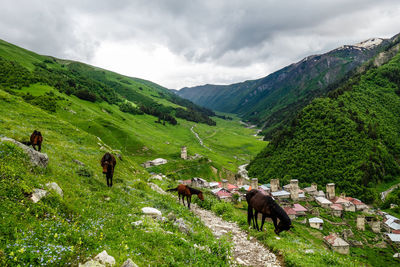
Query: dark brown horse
{"points": [[267, 206], [108, 163], [187, 191], [35, 140]]}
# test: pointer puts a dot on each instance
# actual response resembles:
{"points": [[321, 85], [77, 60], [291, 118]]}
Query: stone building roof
{"points": [[299, 208], [289, 211], [335, 241], [315, 220]]}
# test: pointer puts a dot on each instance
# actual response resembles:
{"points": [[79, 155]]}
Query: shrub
{"points": [[85, 94]]}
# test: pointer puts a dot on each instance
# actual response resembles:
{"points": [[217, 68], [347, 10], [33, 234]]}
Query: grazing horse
{"points": [[187, 191], [267, 206], [36, 140], [108, 163]]}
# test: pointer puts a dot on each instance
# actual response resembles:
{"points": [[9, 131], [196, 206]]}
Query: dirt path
{"points": [[246, 252], [387, 192], [198, 138]]}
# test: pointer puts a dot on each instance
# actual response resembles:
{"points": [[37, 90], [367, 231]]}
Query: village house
{"points": [[391, 224], [222, 194], [337, 210], [299, 209], [357, 203], [199, 182], [213, 184], [155, 162], [323, 202], [316, 223], [281, 194], [226, 185], [394, 239], [337, 244], [320, 194], [312, 190], [290, 212]]}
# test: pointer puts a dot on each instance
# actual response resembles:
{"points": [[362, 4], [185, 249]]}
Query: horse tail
{"points": [[27, 143], [249, 214], [172, 189]]}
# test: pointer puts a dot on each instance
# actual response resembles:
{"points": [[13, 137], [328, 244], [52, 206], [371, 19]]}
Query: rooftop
{"points": [[335, 241], [336, 207], [323, 200], [394, 237], [299, 208], [280, 193], [315, 220], [289, 211]]}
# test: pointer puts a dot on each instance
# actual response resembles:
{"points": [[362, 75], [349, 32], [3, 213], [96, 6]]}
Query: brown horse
{"points": [[267, 206], [108, 163], [35, 140], [187, 191]]}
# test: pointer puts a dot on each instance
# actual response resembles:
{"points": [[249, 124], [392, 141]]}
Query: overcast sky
{"points": [[178, 43]]}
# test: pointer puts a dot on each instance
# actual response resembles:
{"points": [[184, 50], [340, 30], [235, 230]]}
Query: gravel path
{"points": [[246, 252], [198, 138]]}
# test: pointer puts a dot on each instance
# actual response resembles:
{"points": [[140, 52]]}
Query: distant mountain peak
{"points": [[370, 43]]}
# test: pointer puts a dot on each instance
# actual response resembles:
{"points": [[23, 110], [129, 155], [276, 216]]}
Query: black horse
{"points": [[108, 163], [267, 206]]}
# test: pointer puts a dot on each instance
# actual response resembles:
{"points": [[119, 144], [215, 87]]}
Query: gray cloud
{"points": [[229, 33]]}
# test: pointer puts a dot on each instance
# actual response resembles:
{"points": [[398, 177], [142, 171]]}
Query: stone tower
{"points": [[239, 180], [330, 191], [294, 189], [224, 184], [314, 186], [184, 153], [274, 185], [361, 222], [254, 183]]}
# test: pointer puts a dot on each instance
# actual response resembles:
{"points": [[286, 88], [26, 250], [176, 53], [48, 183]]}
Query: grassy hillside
{"points": [[91, 217], [350, 138]]}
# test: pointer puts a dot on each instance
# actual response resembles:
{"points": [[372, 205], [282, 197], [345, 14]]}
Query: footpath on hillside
{"points": [[247, 252]]}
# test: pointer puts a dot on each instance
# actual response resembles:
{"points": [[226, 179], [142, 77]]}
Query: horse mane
{"points": [[281, 214], [194, 190]]}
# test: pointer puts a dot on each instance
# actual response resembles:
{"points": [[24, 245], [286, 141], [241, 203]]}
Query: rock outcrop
{"points": [[37, 158], [54, 186], [104, 258], [38, 194]]}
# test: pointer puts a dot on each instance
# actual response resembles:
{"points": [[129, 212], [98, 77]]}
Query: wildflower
{"points": [[21, 250], [55, 235], [11, 253], [126, 247]]}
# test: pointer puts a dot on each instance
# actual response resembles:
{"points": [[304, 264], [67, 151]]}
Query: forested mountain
{"points": [[351, 137], [19, 67], [272, 101]]}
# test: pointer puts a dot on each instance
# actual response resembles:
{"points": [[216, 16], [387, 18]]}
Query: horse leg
{"points": [[249, 215], [274, 220], [189, 199], [262, 221], [40, 147], [256, 217], [111, 181], [183, 200]]}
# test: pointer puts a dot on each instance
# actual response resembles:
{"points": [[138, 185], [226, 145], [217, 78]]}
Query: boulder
{"points": [[119, 156], [182, 226], [78, 162], [104, 258], [381, 245], [157, 188], [137, 223], [129, 263], [171, 216], [92, 263], [54, 186], [151, 211], [37, 158], [156, 177], [38, 194]]}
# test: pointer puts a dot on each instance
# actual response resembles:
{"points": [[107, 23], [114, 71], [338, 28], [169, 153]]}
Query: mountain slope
{"points": [[350, 138], [273, 100]]}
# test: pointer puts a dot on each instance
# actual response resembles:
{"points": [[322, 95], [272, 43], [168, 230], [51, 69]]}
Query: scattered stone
{"points": [[157, 188], [107, 198], [356, 243], [72, 111], [240, 261], [381, 245], [396, 255], [104, 258], [38, 194], [309, 251], [92, 263], [182, 226], [119, 156], [151, 211], [167, 142], [347, 233], [156, 177], [54, 186], [129, 263], [171, 216], [78, 162], [303, 221], [145, 148], [37, 158], [277, 237]]}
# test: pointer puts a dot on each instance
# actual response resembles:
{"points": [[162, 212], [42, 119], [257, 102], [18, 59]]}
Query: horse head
{"points": [[283, 225], [200, 195]]}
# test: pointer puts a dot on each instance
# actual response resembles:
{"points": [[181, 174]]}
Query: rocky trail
{"points": [[198, 138], [247, 252]]}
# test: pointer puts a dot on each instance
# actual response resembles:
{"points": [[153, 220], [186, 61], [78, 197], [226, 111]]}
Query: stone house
{"points": [[323, 202], [337, 244], [290, 212], [394, 239], [199, 182], [299, 209], [391, 223], [337, 210], [357, 203], [155, 162], [281, 194], [316, 223]]}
